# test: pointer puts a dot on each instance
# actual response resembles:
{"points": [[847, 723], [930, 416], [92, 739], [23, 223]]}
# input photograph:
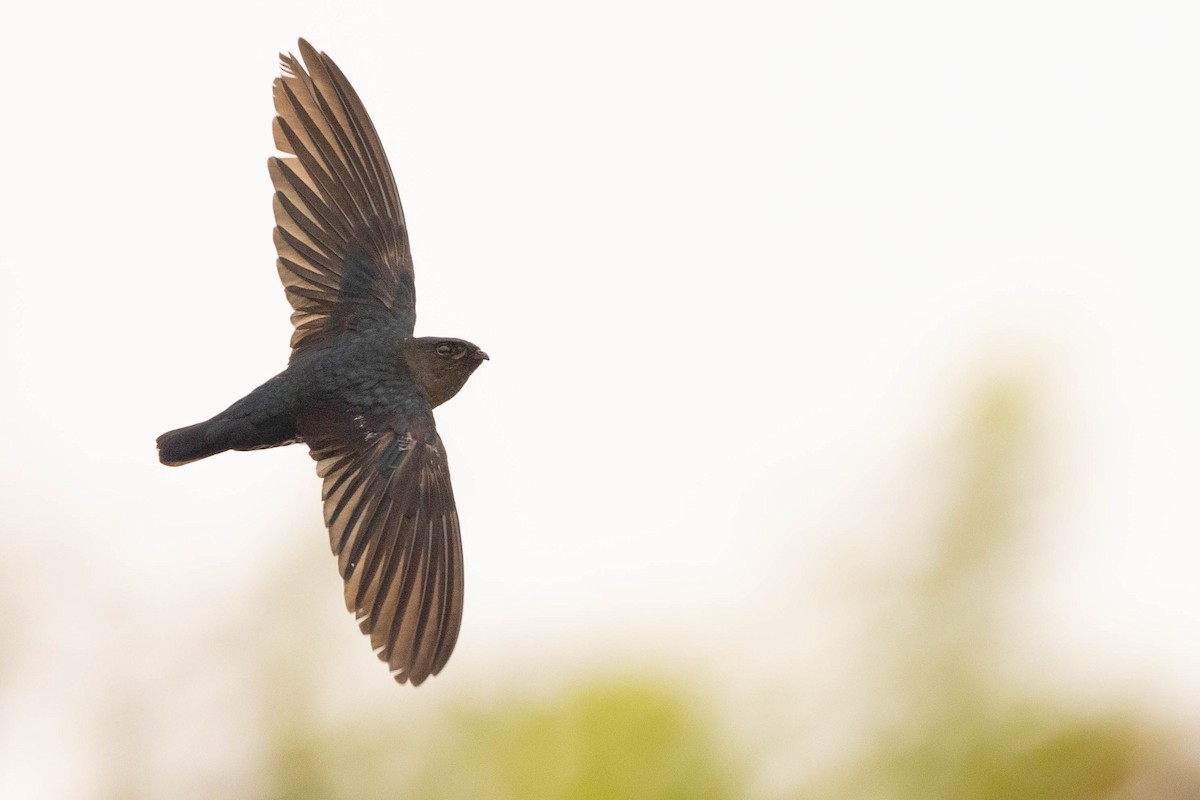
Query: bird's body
{"points": [[359, 388], [377, 372]]}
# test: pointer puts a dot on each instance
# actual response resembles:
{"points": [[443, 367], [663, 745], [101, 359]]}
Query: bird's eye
{"points": [[444, 349]]}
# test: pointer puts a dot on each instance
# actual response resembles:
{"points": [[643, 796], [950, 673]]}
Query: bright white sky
{"points": [[731, 262]]}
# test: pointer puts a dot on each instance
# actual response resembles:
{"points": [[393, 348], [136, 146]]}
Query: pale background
{"points": [[736, 265]]}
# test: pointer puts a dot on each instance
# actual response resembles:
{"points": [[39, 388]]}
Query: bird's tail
{"points": [[185, 445], [264, 418]]}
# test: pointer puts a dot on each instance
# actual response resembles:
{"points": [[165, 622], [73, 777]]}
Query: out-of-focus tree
{"points": [[600, 741], [947, 726], [933, 719], [604, 740]]}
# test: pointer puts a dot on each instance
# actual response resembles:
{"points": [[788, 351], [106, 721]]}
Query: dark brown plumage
{"points": [[359, 389]]}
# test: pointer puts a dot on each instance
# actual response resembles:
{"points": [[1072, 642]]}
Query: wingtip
{"points": [[308, 53], [412, 677], [412, 681]]}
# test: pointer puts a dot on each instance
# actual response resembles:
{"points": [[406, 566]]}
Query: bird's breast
{"points": [[364, 374]]}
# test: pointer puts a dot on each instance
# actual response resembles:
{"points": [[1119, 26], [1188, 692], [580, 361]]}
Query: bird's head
{"points": [[441, 366]]}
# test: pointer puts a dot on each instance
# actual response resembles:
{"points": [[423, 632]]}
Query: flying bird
{"points": [[359, 388]]}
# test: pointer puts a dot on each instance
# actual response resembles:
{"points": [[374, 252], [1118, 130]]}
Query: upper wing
{"points": [[339, 229], [394, 528]]}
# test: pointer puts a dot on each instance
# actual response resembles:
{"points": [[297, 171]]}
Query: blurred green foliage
{"points": [[600, 741], [932, 719], [950, 728], [604, 740]]}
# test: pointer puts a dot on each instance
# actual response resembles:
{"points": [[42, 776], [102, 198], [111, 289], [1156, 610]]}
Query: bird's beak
{"points": [[482, 355]]}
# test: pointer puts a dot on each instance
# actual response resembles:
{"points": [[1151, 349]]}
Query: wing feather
{"points": [[344, 256], [393, 525]]}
